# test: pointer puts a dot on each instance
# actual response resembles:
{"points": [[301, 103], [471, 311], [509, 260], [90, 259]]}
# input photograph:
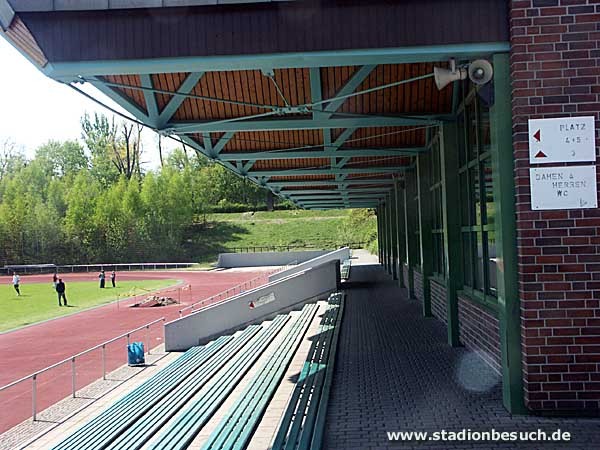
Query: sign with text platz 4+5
{"points": [[566, 139], [563, 187]]}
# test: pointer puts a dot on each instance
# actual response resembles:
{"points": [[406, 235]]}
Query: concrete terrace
{"points": [[396, 372]]}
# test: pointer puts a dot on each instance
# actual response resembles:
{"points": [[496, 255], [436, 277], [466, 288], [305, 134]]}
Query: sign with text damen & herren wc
{"points": [[563, 187], [560, 140]]}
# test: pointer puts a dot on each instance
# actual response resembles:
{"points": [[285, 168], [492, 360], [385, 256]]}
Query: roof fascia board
{"points": [[100, 5], [68, 70]]}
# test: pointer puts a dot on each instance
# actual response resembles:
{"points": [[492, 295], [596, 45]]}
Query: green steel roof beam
{"points": [[65, 71], [328, 191], [365, 197], [352, 181], [150, 99], [338, 205], [186, 87], [328, 171], [342, 153], [355, 81], [222, 142], [123, 101], [242, 124]]}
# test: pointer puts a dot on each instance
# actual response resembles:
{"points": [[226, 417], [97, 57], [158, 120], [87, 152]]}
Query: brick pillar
{"points": [[555, 71]]}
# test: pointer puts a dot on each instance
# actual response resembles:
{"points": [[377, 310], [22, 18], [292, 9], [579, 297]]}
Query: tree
{"points": [[11, 157], [128, 149], [100, 137], [62, 158], [80, 226]]}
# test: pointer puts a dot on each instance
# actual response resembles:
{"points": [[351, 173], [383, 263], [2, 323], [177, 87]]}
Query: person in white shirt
{"points": [[16, 281]]}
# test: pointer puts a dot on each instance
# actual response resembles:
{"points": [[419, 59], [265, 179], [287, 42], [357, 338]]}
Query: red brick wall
{"points": [[479, 332], [418, 280], [438, 301], [555, 71], [405, 271]]}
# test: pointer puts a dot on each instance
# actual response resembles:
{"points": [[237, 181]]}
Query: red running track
{"points": [[35, 347]]}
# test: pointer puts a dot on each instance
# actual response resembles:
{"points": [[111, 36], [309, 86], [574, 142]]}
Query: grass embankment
{"points": [[38, 301], [298, 229]]}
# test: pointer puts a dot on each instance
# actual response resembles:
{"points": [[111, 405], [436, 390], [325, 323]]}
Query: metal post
{"points": [[426, 244], [148, 337], [73, 387], [128, 340], [393, 235], [400, 240], [410, 213], [34, 396], [451, 225], [104, 361], [509, 304]]}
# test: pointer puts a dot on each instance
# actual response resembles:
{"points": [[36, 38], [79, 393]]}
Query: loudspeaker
{"points": [[480, 71], [443, 77]]}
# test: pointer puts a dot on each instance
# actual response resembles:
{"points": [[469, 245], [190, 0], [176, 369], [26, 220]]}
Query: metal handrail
{"points": [[203, 301], [40, 268], [73, 358]]}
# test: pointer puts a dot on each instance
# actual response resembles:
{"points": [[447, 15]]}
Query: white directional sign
{"points": [[261, 301], [563, 187], [567, 139]]}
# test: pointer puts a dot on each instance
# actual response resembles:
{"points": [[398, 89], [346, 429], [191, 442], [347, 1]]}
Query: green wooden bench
{"points": [[185, 427], [304, 419]]}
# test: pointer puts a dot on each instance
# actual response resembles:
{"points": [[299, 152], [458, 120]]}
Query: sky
{"points": [[35, 109]]}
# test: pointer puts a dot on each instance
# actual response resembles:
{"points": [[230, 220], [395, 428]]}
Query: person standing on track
{"points": [[54, 279], [16, 280], [60, 290], [113, 277], [102, 277]]}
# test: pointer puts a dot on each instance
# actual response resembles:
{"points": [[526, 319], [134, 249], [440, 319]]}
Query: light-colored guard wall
{"points": [[340, 255], [235, 313], [227, 260]]}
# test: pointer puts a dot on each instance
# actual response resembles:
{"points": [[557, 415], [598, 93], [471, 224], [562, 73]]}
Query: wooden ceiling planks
{"points": [[380, 161], [288, 164], [384, 137], [167, 82], [253, 88], [136, 95], [252, 141], [303, 178]]}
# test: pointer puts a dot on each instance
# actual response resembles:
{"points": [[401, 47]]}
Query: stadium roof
{"points": [[325, 103]]}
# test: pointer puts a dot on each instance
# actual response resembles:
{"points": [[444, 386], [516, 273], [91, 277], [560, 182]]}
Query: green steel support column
{"points": [[425, 228], [393, 235], [400, 246], [388, 234], [381, 237], [384, 234], [451, 223], [379, 245], [410, 214], [506, 238]]}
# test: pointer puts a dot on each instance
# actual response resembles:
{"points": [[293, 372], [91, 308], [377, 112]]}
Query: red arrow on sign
{"points": [[541, 154], [537, 135]]}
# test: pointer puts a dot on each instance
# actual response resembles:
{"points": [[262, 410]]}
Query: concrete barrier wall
{"points": [[258, 259], [341, 255], [268, 301]]}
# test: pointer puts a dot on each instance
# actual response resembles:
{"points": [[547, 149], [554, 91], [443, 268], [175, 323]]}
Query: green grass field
{"points": [[38, 301], [298, 229]]}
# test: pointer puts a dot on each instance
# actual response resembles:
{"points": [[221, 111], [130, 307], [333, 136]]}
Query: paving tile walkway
{"points": [[395, 372]]}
